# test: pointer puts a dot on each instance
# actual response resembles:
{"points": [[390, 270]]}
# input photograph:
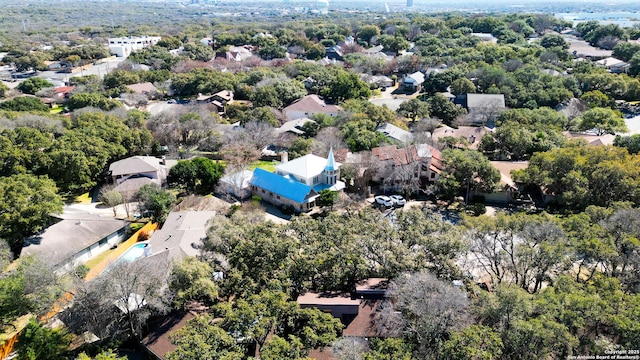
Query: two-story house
{"points": [[297, 183]]}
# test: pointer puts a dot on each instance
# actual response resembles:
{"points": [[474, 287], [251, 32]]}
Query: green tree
{"points": [[33, 84], [104, 355], [413, 109], [388, 349], [23, 103], [39, 342], [3, 90], [367, 32], [198, 51], [582, 175], [159, 202], [443, 108], [299, 147], [278, 348], [316, 52], [201, 339], [475, 342], [79, 101], [596, 98], [553, 40], [625, 50], [602, 121], [328, 198], [467, 172], [198, 175], [272, 51], [191, 280], [26, 202], [631, 143], [462, 86]]}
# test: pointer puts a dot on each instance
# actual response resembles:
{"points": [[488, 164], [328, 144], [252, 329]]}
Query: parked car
{"points": [[398, 200], [172, 101], [383, 201]]}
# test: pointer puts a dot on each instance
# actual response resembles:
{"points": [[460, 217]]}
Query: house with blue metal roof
{"points": [[297, 183]]}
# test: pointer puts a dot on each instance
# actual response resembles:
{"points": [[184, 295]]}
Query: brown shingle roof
{"points": [[157, 342], [142, 88], [362, 325], [312, 104]]}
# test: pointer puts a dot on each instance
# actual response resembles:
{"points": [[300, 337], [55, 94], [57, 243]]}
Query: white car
{"points": [[398, 200], [384, 201]]}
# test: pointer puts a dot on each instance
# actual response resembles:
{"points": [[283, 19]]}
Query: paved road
{"points": [[99, 70]]}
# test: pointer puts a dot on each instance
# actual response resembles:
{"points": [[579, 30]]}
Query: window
{"points": [[263, 191], [278, 197], [433, 175], [315, 179], [103, 242]]}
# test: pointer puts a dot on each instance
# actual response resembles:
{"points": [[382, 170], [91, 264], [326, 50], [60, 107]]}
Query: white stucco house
{"points": [[123, 46]]}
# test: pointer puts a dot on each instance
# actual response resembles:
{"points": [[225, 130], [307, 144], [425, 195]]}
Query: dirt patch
{"points": [[203, 203]]}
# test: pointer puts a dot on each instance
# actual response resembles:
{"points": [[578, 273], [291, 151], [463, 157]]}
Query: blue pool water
{"points": [[135, 252]]}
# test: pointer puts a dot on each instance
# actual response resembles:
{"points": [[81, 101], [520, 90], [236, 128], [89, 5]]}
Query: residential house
{"points": [[219, 100], [158, 342], [507, 191], [614, 65], [408, 168], [146, 88], [293, 126], [380, 81], [63, 92], [472, 134], [74, 239], [297, 183], [181, 235], [334, 53], [582, 49], [139, 166], [310, 105], [236, 53], [591, 139], [482, 108], [395, 134], [123, 46], [237, 184], [356, 310], [413, 82]]}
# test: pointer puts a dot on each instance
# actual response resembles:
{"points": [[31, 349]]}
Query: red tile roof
{"points": [[63, 89]]}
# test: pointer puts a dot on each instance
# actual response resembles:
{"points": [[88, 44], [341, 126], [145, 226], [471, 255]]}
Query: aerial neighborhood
{"points": [[292, 180]]}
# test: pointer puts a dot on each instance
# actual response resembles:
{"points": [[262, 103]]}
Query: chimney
{"points": [[472, 139], [284, 157], [163, 161]]}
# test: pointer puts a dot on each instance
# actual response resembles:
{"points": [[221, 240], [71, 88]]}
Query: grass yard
{"points": [[264, 165]]}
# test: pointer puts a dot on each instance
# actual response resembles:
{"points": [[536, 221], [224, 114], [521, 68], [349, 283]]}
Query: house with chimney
{"points": [[408, 168], [297, 183]]}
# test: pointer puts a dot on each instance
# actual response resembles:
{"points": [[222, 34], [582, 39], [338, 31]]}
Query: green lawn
{"points": [[264, 165]]}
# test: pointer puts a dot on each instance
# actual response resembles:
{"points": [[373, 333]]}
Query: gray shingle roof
{"points": [[61, 241]]}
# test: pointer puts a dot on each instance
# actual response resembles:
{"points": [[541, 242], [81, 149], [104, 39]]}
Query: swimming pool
{"points": [[133, 253]]}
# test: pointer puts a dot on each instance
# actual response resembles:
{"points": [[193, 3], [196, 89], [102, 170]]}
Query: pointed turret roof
{"points": [[331, 162]]}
